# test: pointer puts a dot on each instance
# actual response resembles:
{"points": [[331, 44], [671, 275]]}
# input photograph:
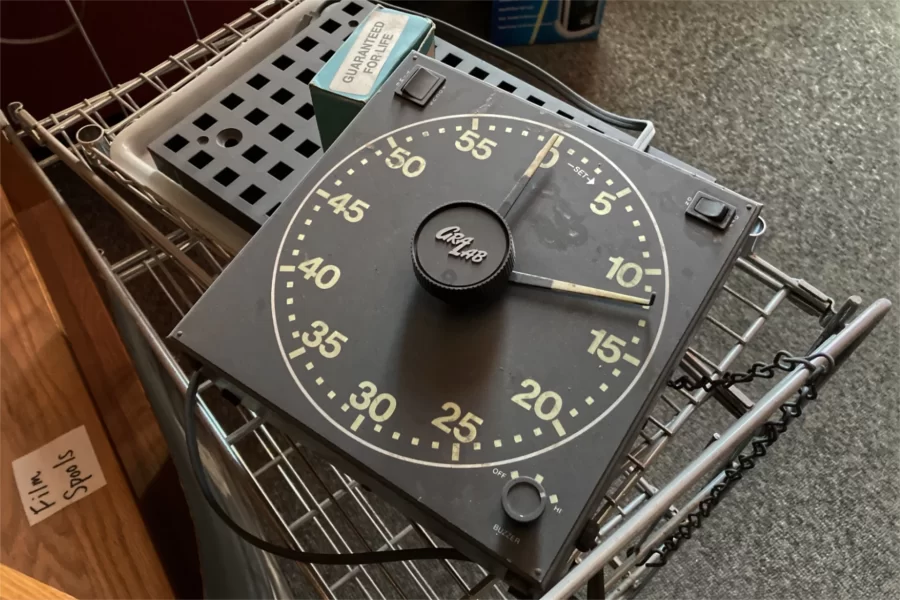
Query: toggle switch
{"points": [[710, 210]]}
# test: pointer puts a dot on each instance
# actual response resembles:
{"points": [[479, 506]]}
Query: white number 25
{"points": [[466, 428]]}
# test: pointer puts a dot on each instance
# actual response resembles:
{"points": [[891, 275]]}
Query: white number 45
{"points": [[353, 213]]}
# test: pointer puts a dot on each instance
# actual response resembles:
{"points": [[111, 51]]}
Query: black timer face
{"points": [[469, 291]]}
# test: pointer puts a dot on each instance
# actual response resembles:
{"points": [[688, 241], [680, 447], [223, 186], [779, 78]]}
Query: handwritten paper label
{"points": [[57, 474]]}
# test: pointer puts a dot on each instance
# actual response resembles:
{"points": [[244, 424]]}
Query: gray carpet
{"points": [[795, 105]]}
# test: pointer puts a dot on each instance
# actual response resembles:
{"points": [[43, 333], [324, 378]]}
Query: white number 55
{"points": [[480, 148]]}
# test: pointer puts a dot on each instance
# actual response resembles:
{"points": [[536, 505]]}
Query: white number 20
{"points": [[547, 404]]}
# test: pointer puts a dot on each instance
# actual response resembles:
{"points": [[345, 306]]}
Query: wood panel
{"points": [[97, 547], [101, 356], [15, 585]]}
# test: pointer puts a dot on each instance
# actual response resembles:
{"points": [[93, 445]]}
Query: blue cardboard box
{"points": [[525, 22], [363, 62]]}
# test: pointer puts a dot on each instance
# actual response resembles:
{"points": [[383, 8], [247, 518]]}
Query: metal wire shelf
{"points": [[318, 508]]}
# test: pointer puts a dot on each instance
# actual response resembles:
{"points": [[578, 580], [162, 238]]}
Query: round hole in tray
{"points": [[353, 23], [229, 138], [89, 134], [202, 140]]}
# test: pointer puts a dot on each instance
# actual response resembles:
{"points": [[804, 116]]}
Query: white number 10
{"points": [[627, 274]]}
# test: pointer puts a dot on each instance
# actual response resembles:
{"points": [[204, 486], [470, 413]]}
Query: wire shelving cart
{"points": [[272, 483]]}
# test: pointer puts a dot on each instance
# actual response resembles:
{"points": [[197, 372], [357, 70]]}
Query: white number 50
{"points": [[411, 166]]}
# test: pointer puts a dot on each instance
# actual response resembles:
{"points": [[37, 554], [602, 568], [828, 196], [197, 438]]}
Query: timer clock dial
{"points": [[469, 290], [469, 305]]}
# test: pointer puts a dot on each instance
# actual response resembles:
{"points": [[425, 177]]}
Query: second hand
{"points": [[574, 288]]}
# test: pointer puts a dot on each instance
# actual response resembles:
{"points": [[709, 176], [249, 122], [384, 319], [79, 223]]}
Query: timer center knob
{"points": [[523, 499], [463, 253]]}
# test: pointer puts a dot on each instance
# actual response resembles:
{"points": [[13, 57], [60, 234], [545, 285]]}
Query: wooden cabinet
{"points": [[99, 546]]}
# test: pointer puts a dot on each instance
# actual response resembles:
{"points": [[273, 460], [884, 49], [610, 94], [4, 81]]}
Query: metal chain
{"points": [[783, 361], [768, 435]]}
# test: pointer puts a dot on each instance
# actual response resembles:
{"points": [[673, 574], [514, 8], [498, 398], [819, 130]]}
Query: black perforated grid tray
{"points": [[246, 149]]}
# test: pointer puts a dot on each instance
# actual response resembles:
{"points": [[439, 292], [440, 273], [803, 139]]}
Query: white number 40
{"points": [[325, 276]]}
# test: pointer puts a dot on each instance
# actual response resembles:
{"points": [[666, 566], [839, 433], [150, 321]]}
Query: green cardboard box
{"points": [[356, 71]]}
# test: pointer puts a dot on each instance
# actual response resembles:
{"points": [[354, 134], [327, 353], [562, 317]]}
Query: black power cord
{"points": [[568, 94], [329, 558]]}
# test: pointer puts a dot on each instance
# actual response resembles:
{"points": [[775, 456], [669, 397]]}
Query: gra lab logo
{"points": [[454, 236]]}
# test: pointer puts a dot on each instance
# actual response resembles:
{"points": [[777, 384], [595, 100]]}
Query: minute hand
{"points": [[513, 196], [574, 288]]}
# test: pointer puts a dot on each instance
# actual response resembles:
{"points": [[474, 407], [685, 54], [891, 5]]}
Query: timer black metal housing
{"points": [[498, 425]]}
